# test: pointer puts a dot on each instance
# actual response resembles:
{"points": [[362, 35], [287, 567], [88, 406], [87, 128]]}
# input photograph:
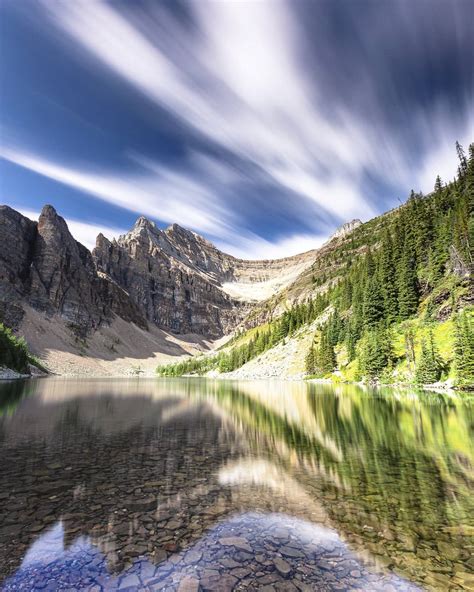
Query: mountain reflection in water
{"points": [[167, 484]]}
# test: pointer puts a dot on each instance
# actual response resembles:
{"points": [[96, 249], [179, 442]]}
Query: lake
{"points": [[195, 484]]}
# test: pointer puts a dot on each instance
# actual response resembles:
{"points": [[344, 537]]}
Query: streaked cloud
{"points": [[246, 94], [285, 128], [159, 194], [251, 247]]}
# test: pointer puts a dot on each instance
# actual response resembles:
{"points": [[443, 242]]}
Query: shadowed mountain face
{"points": [[42, 265], [174, 279], [248, 484]]}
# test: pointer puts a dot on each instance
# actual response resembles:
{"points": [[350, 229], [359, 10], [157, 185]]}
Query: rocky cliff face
{"points": [[173, 278], [17, 238], [42, 265]]}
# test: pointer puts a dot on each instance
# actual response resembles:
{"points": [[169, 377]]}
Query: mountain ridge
{"points": [[172, 278]]}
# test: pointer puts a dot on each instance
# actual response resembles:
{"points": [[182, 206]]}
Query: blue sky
{"points": [[262, 125]]}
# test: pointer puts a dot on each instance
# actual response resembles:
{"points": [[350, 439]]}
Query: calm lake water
{"points": [[175, 484]]}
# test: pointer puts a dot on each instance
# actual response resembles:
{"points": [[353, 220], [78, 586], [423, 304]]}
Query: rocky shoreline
{"points": [[9, 374]]}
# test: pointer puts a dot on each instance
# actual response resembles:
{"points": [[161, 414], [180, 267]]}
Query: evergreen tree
{"points": [[351, 342], [409, 337], [407, 283], [375, 352], [439, 254], [462, 160], [325, 360], [310, 360], [387, 278], [428, 367], [373, 306], [464, 351]]}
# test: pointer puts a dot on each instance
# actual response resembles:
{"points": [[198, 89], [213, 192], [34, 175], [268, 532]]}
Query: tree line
{"points": [[421, 244], [421, 249], [263, 339]]}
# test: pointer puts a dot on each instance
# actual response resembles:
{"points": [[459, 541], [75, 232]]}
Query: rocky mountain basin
{"points": [[168, 286]]}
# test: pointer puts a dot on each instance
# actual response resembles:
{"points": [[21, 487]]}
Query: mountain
{"points": [[184, 284], [391, 300], [171, 280], [43, 266]]}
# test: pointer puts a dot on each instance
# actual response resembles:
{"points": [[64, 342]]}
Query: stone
{"points": [[449, 551], [189, 584], [291, 552], [237, 542], [241, 572], [282, 566], [143, 504], [130, 581], [192, 556]]}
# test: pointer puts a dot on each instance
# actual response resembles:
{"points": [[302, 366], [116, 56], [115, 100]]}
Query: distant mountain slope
{"points": [[389, 300]]}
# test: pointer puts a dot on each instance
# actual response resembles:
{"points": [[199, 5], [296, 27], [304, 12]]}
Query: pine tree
{"points": [[351, 342], [310, 360], [439, 254], [375, 352], [464, 351], [325, 360], [387, 278], [462, 160], [428, 367], [373, 306], [407, 283]]}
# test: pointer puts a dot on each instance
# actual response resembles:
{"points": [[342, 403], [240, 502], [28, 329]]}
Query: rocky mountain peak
{"points": [[190, 241], [174, 279], [144, 222], [53, 227], [346, 229], [102, 241], [49, 212], [177, 231]]}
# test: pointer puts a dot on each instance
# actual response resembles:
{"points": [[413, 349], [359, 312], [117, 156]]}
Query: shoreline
{"points": [[7, 374]]}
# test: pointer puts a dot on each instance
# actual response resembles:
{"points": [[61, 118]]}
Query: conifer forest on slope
{"points": [[393, 302]]}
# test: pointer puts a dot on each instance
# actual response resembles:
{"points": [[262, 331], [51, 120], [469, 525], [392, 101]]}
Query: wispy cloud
{"points": [[239, 84], [160, 194], [179, 200], [288, 110], [251, 247]]}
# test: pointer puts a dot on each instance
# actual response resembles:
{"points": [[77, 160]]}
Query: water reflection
{"points": [[136, 474], [248, 551]]}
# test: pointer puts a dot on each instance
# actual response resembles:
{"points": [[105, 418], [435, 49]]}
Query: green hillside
{"points": [[394, 298]]}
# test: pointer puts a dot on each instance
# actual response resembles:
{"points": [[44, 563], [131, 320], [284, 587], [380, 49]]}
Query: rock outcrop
{"points": [[173, 278], [17, 239], [345, 229]]}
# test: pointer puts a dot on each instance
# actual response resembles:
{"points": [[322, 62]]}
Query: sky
{"points": [[263, 125]]}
